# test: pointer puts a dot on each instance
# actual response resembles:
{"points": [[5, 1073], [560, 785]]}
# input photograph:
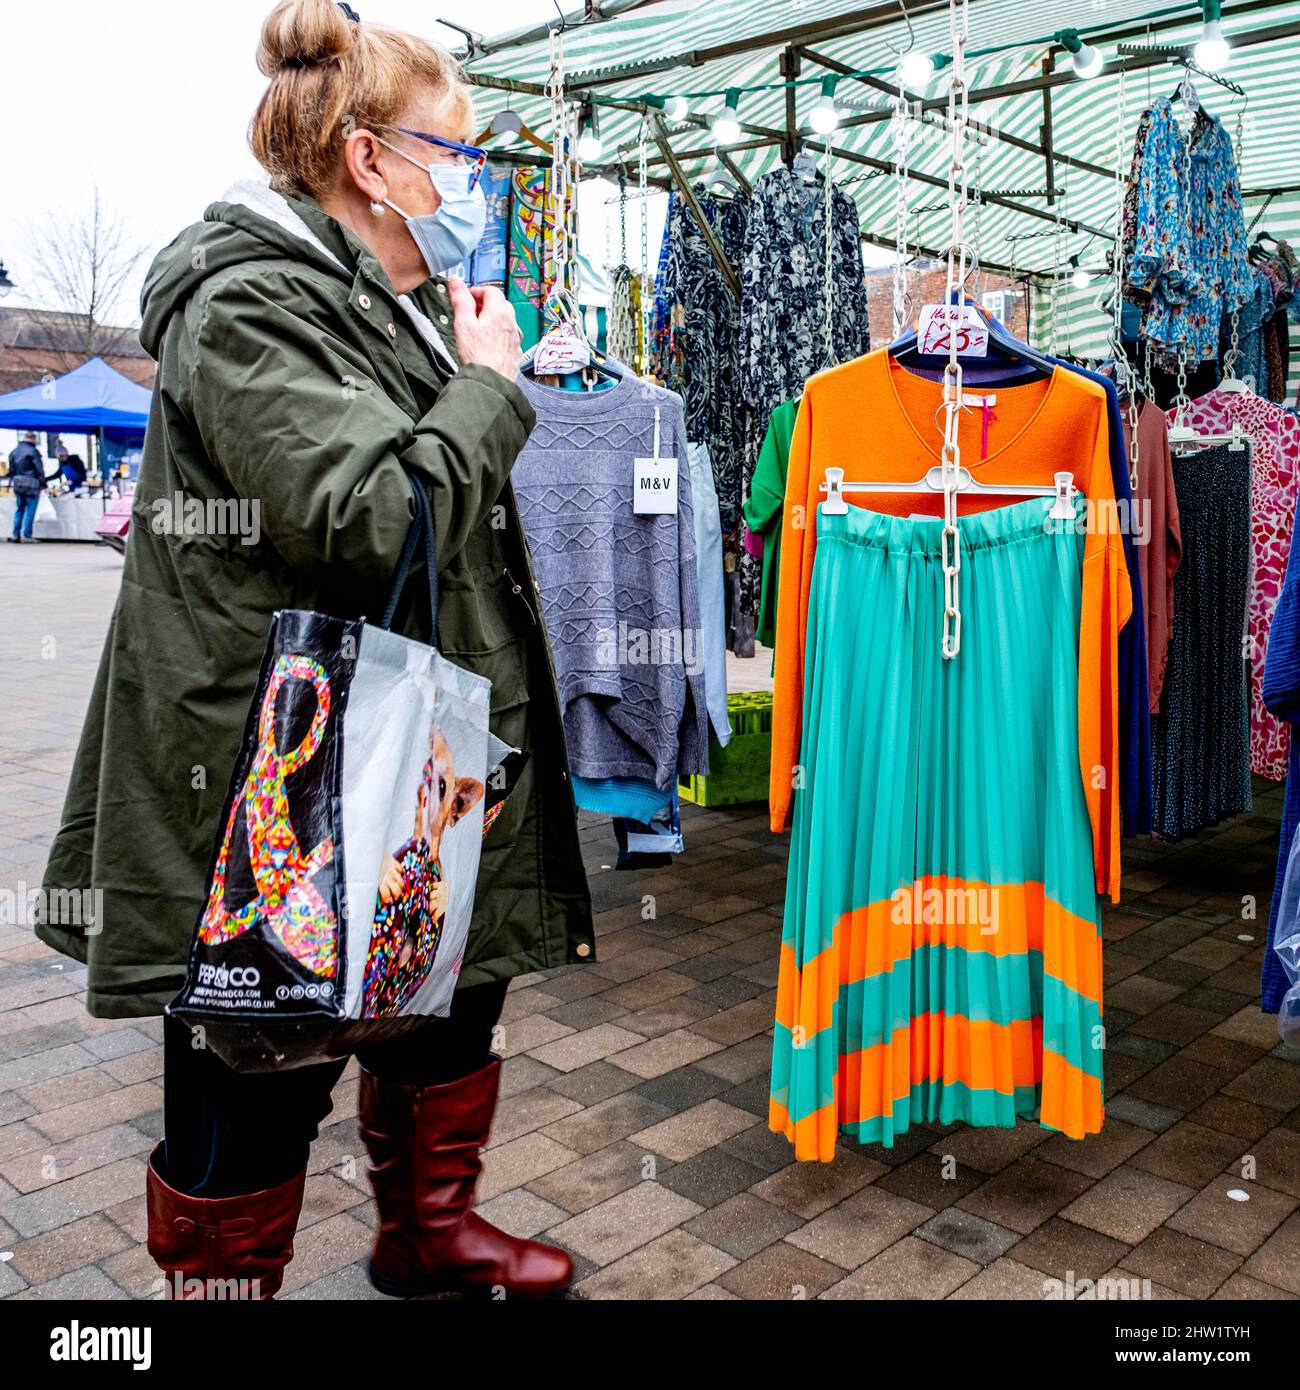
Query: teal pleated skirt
{"points": [[941, 947]]}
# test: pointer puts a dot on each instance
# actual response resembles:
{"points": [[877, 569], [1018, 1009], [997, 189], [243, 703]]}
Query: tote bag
{"points": [[342, 882]]}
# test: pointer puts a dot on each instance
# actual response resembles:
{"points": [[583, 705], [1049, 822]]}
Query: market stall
{"points": [[1131, 170], [93, 400]]}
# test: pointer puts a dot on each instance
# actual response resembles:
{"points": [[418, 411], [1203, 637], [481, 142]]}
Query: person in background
{"points": [[27, 478], [71, 469]]}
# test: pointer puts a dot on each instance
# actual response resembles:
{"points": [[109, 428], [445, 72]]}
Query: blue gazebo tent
{"points": [[88, 399], [92, 399]]}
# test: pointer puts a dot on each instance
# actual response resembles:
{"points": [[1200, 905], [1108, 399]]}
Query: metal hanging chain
{"points": [[647, 279], [558, 190], [1054, 295], [1181, 402], [622, 217], [950, 458], [620, 329], [1233, 355], [828, 256], [902, 124], [571, 211], [1118, 269], [977, 233]]}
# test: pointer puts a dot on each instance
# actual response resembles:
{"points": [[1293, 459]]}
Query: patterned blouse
{"points": [[1190, 243], [1274, 478], [695, 338], [783, 308]]}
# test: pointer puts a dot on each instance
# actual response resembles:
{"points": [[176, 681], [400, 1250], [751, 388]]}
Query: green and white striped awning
{"points": [[677, 47]]}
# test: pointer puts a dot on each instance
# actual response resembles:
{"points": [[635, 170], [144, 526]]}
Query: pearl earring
{"points": [[377, 209]]}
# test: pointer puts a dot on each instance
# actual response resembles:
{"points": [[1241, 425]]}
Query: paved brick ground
{"points": [[632, 1129]]}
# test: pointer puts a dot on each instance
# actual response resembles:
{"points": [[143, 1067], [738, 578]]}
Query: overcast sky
{"points": [[150, 101]]}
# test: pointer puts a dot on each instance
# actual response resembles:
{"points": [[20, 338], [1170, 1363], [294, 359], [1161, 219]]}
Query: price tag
{"points": [[939, 323], [655, 487], [654, 482]]}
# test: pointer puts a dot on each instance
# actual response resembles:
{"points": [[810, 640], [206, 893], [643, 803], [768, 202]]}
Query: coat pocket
{"points": [[506, 666]]}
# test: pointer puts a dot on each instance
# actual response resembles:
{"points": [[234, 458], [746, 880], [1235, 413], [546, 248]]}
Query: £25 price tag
{"points": [[654, 482], [940, 323]]}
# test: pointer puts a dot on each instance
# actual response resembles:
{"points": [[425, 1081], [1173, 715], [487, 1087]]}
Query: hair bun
{"points": [[304, 34]]}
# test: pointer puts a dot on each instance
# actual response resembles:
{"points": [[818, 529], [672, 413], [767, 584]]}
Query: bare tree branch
{"points": [[84, 267]]}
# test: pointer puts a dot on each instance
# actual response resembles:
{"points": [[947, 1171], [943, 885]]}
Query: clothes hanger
{"points": [[720, 184], [804, 164], [1186, 93], [905, 345], [1185, 434], [508, 122], [931, 481], [568, 324]]}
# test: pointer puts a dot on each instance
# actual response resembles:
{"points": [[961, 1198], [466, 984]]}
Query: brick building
{"points": [[927, 281], [37, 343]]}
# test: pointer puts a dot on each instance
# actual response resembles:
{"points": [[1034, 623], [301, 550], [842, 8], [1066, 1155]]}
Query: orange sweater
{"points": [[875, 419]]}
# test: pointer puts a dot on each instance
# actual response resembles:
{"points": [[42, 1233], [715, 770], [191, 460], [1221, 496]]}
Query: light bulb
{"points": [[1087, 62], [1079, 277], [824, 116], [726, 124], [590, 143], [915, 69], [676, 108], [1212, 51], [590, 146]]}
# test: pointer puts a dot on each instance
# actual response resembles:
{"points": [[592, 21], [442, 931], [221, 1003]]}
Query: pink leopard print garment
{"points": [[1274, 472]]}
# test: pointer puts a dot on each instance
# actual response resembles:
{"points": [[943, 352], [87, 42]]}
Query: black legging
{"points": [[229, 1132]]}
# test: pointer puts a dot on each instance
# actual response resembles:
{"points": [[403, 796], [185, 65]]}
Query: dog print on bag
{"points": [[413, 895]]}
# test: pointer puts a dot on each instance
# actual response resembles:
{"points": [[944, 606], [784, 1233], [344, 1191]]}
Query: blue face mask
{"points": [[447, 236]]}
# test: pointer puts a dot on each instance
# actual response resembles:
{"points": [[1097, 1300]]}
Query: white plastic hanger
{"points": [[1185, 434], [1062, 489], [1234, 385]]}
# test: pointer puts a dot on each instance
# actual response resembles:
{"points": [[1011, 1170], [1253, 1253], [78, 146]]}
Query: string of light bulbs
{"points": [[913, 70]]}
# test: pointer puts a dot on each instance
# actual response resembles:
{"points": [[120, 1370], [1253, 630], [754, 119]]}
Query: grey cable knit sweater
{"points": [[619, 591]]}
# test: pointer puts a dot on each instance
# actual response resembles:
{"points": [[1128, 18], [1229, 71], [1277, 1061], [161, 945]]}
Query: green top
{"points": [[763, 509]]}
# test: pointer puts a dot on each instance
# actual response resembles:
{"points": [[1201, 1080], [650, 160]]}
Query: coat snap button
{"points": [[364, 301], [583, 949], [442, 318], [392, 330]]}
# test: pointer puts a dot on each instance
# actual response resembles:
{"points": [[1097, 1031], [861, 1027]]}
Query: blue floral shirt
{"points": [[1190, 247]]}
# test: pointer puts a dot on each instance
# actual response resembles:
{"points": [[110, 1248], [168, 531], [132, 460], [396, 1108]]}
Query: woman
{"points": [[308, 350]]}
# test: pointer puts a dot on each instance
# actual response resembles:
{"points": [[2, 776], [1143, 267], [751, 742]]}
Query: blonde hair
{"points": [[329, 75]]}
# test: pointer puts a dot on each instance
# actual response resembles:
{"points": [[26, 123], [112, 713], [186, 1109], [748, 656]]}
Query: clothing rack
{"points": [[1179, 58]]}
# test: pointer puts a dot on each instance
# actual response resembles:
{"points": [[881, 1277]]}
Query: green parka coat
{"points": [[292, 376]]}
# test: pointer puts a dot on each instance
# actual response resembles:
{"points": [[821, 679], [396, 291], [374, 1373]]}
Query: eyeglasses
{"points": [[475, 157]]}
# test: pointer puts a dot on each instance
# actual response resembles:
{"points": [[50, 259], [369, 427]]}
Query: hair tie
{"points": [[350, 12]]}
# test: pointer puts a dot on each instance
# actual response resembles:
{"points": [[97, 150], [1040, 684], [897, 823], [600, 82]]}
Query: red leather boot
{"points": [[223, 1247], [424, 1144]]}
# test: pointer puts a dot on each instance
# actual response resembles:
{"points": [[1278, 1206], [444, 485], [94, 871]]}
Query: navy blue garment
{"points": [[1134, 692], [1282, 698]]}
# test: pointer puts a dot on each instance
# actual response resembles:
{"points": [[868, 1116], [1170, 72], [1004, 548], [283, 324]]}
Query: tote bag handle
{"points": [[420, 532]]}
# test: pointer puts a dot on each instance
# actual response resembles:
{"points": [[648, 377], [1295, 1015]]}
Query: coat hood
{"points": [[249, 223]]}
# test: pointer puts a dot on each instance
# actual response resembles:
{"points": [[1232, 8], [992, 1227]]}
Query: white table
{"points": [[75, 518]]}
